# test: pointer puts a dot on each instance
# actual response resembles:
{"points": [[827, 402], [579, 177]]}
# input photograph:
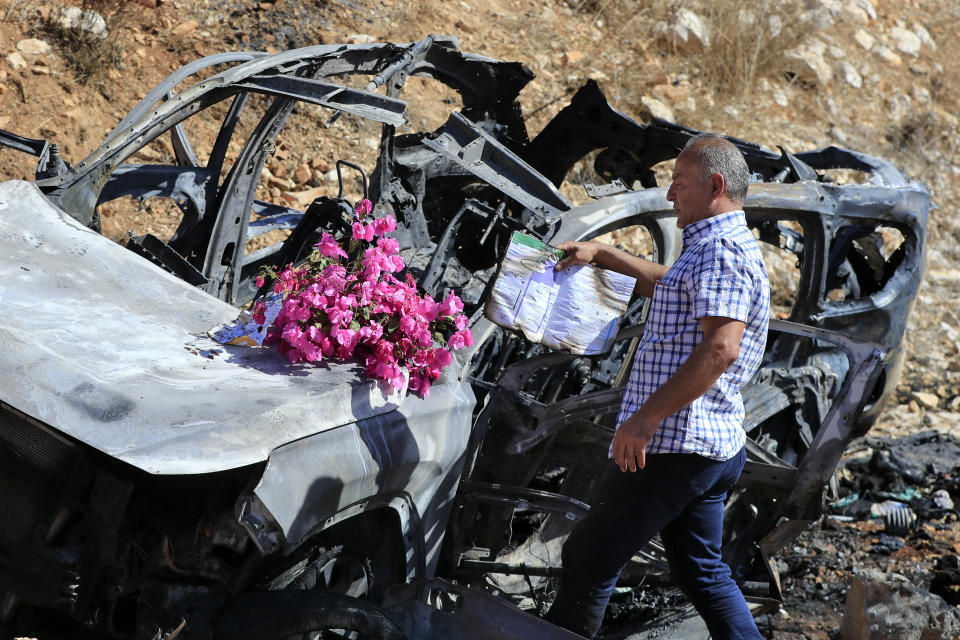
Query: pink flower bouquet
{"points": [[337, 308]]}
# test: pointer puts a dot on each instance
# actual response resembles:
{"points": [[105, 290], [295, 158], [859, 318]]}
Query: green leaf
{"points": [[393, 324], [354, 325]]}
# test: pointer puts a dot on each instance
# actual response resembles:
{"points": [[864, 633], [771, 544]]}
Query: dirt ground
{"points": [[877, 76]]}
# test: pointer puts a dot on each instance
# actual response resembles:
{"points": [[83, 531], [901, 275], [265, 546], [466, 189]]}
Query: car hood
{"points": [[109, 349]]}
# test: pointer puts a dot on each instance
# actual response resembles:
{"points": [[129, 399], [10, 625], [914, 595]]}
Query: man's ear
{"points": [[717, 185]]}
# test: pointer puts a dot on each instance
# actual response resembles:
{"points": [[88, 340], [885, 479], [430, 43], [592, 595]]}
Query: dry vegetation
{"points": [[878, 76], [89, 35]]}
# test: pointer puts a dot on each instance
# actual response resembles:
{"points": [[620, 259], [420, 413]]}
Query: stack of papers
{"points": [[578, 309]]}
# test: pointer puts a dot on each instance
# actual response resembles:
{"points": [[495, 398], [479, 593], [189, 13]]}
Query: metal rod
{"points": [[378, 80]]}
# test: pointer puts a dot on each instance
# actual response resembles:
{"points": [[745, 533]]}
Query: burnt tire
{"points": [[276, 615]]}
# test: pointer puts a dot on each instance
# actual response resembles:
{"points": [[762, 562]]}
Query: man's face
{"points": [[690, 197]]}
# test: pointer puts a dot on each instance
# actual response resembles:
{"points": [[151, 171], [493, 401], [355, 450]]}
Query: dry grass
{"points": [[89, 46], [748, 41]]}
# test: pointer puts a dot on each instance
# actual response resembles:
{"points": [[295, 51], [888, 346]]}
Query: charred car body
{"points": [[150, 476]]}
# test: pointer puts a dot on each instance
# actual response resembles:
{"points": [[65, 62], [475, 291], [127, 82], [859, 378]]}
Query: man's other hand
{"points": [[630, 442]]}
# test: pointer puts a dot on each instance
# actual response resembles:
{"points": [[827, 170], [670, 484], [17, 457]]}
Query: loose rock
{"points": [[834, 7], [85, 20], [657, 108], [780, 97], [184, 28], [906, 41], [889, 56], [277, 169], [33, 46], [858, 13], [302, 174], [886, 606], [811, 66], [851, 75], [864, 39], [924, 36], [926, 400], [688, 31], [16, 61], [868, 8], [571, 57], [360, 38]]}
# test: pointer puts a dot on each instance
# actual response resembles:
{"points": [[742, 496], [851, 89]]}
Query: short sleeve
{"points": [[720, 283]]}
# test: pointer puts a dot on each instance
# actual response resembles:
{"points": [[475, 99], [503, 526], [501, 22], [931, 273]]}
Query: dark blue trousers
{"points": [[681, 497]]}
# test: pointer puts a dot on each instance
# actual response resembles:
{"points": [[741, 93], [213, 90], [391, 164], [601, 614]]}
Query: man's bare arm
{"points": [[707, 362], [603, 255]]}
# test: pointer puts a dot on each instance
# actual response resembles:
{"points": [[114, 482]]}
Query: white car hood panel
{"points": [[102, 345]]}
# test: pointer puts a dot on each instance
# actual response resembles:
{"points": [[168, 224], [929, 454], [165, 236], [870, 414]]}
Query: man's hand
{"points": [[578, 253], [609, 257], [631, 440]]}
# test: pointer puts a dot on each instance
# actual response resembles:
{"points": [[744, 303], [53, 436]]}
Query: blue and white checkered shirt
{"points": [[720, 273]]}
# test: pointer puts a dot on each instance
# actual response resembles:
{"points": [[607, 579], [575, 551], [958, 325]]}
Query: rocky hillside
{"points": [[878, 76]]}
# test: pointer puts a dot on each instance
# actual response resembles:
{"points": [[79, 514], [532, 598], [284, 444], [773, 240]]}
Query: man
{"points": [[678, 447]]}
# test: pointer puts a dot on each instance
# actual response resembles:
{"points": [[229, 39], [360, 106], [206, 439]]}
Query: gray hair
{"points": [[716, 154]]}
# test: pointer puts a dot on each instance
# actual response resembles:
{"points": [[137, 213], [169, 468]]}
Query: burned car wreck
{"points": [[157, 484]]}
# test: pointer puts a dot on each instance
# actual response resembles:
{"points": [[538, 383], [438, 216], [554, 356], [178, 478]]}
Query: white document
{"points": [[578, 309]]}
